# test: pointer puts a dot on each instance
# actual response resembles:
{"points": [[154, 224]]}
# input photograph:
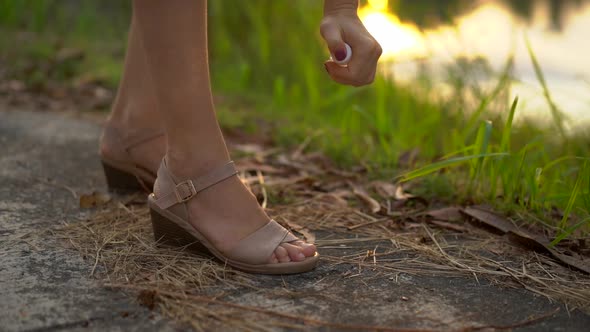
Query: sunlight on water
{"points": [[395, 37], [492, 31]]}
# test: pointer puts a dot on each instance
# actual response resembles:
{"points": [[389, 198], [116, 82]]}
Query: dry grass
{"points": [[119, 245]]}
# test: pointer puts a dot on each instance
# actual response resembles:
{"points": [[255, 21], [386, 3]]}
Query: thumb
{"points": [[333, 37]]}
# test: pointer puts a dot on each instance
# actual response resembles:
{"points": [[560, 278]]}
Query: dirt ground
{"points": [[394, 264]]}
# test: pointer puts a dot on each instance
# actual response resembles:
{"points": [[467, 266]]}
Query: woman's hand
{"points": [[341, 25]]}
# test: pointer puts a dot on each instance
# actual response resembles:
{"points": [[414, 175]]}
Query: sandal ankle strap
{"points": [[186, 190]]}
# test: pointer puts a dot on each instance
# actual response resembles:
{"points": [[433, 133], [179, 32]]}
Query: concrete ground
{"points": [[44, 154]]}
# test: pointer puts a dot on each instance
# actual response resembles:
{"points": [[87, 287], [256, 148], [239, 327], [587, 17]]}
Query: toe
{"points": [[294, 252], [307, 249], [274, 259], [282, 254]]}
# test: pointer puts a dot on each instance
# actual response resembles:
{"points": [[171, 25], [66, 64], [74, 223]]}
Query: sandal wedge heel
{"points": [[122, 174], [121, 181], [168, 233]]}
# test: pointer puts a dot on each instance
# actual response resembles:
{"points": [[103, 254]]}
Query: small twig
{"points": [[59, 185], [351, 228], [96, 261]]}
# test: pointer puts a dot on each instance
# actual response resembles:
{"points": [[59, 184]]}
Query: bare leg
{"points": [[135, 108], [174, 36]]}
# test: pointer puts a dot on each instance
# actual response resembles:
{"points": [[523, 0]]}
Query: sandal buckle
{"points": [[185, 191]]}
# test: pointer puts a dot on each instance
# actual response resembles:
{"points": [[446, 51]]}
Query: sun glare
{"points": [[380, 5], [395, 37]]}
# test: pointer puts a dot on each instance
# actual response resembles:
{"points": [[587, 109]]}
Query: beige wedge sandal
{"points": [[121, 172], [251, 254]]}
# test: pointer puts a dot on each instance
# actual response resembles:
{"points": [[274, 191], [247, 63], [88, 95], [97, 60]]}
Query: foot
{"points": [[228, 212], [146, 155]]}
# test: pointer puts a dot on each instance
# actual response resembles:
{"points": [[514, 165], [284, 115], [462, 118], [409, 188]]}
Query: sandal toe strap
{"points": [[257, 247]]}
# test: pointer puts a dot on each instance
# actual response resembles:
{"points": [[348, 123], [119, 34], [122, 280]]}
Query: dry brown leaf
{"points": [[448, 225], [490, 219], [400, 195], [332, 199], [542, 245], [451, 213], [384, 189], [94, 199], [527, 239], [369, 201]]}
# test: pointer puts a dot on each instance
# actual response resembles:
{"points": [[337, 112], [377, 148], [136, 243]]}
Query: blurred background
{"points": [[449, 78]]}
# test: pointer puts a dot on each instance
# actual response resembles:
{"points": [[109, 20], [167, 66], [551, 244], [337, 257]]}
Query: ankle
{"points": [[130, 113], [194, 163]]}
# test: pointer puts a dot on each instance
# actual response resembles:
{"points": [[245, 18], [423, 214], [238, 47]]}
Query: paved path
{"points": [[44, 290], [50, 290]]}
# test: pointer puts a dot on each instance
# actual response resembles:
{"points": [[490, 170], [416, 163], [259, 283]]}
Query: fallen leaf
{"points": [[94, 199], [448, 225], [384, 189], [489, 219], [529, 240], [332, 185], [369, 201], [451, 213], [332, 199], [401, 195], [541, 245]]}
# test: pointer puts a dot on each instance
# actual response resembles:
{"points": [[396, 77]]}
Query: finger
{"points": [[363, 66], [338, 73], [345, 75], [333, 36]]}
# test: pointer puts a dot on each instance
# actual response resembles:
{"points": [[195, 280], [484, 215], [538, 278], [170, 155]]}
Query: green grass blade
{"points": [[507, 132], [573, 197], [558, 117], [482, 143], [564, 234], [446, 163], [484, 103]]}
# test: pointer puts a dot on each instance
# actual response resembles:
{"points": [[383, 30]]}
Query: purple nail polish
{"points": [[340, 54]]}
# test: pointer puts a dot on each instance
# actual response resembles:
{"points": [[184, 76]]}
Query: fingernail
{"points": [[301, 255], [340, 54]]}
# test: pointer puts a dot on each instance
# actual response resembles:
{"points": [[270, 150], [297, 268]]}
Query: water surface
{"points": [[495, 31]]}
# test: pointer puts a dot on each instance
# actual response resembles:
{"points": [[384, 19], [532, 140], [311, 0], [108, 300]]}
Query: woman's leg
{"points": [[174, 37], [135, 111]]}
